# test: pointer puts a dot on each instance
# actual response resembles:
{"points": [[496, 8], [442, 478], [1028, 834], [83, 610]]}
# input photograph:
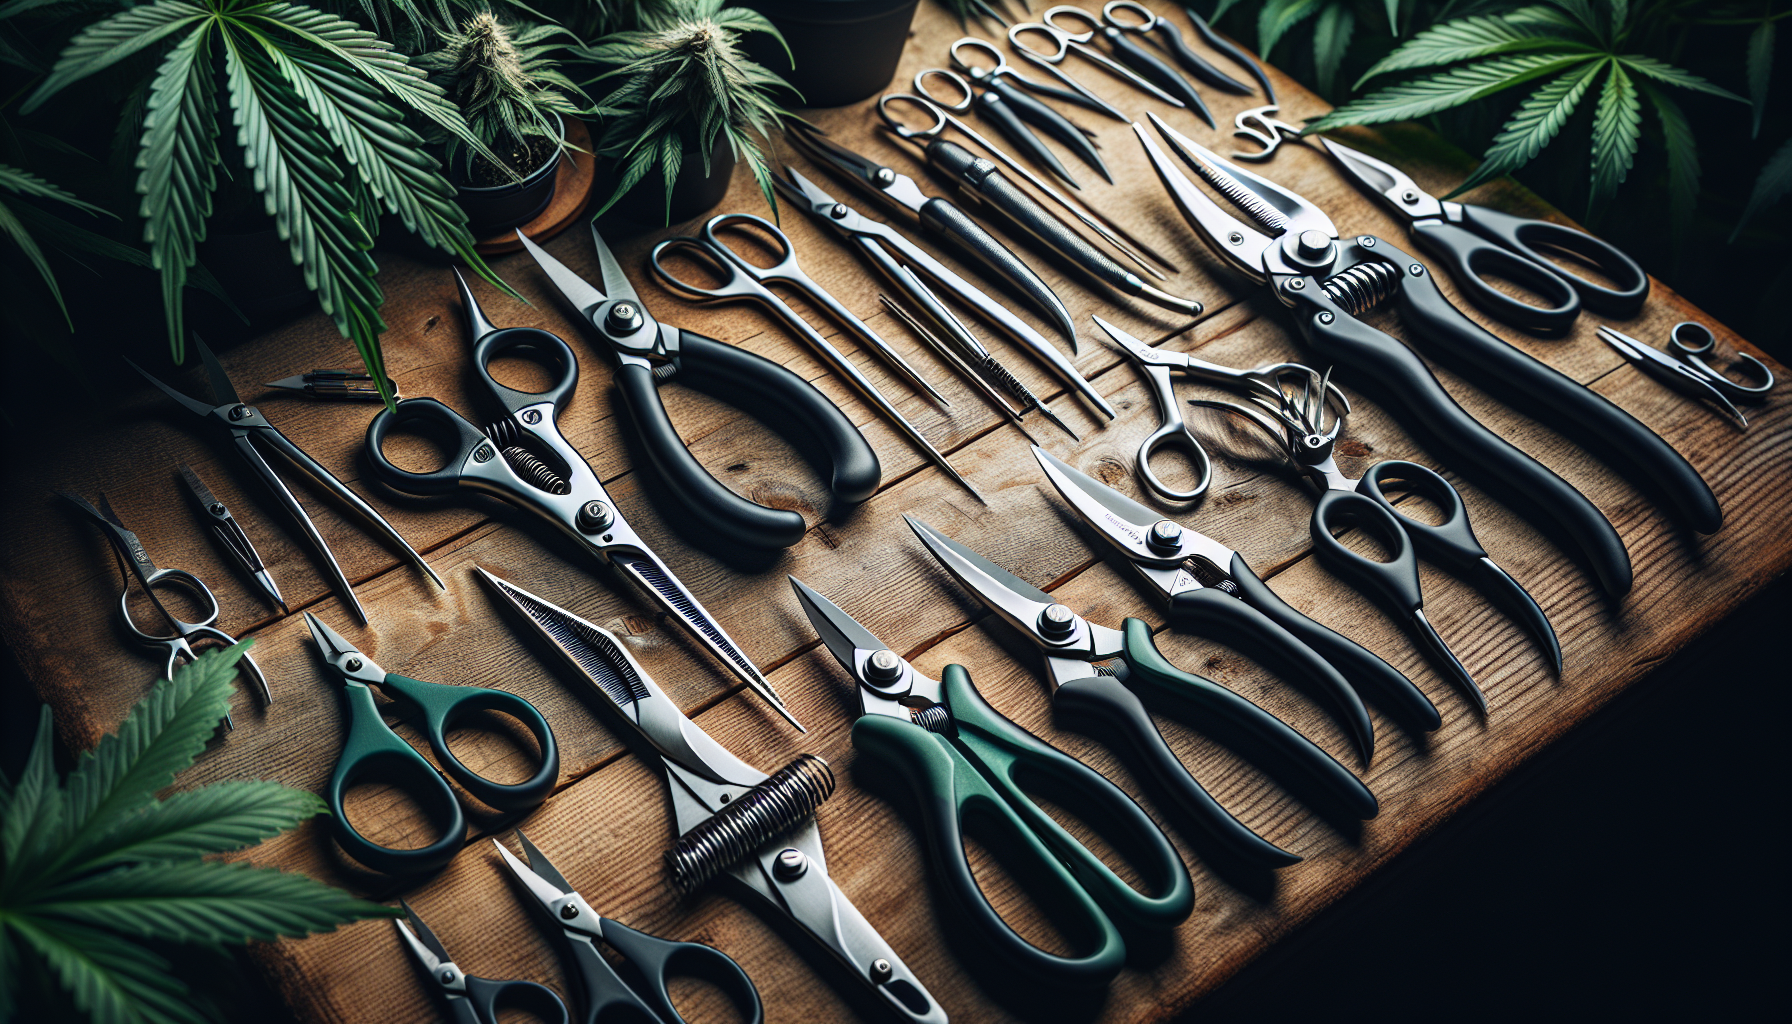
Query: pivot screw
{"points": [[532, 417], [881, 971], [1326, 318], [884, 176], [1057, 622], [238, 412], [1316, 442], [1297, 284], [624, 318], [1366, 242], [1417, 270], [447, 975], [838, 211], [217, 508], [1312, 244], [1409, 196], [790, 865], [353, 664], [570, 911], [1164, 536], [883, 667], [483, 453], [595, 516]]}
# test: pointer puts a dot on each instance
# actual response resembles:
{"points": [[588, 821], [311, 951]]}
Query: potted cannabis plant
{"points": [[514, 98], [684, 99]]}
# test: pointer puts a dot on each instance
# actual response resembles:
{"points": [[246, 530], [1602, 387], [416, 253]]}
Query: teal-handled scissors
{"points": [[964, 760], [373, 749], [474, 1000]]}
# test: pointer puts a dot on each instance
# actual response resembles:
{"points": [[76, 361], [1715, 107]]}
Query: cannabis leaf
{"points": [[93, 868], [1571, 48], [14, 218]]}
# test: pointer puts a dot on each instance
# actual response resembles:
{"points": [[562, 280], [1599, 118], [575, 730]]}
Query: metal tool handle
{"points": [[956, 226], [466, 442], [1059, 127], [541, 347], [960, 105], [180, 629], [486, 996], [1232, 713], [1151, 69], [657, 960], [444, 707], [373, 749], [1689, 340], [1227, 47], [1174, 434], [739, 279], [1629, 288]]}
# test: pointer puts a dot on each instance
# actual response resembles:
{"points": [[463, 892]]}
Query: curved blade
{"points": [[1124, 522], [541, 865], [192, 405], [423, 942], [898, 188], [1276, 208], [1441, 651], [578, 292], [1231, 239], [999, 590], [222, 389], [1522, 606], [841, 633], [1400, 192]]}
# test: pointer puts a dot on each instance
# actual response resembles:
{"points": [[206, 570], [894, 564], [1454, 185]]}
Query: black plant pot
{"points": [[844, 50], [497, 208], [693, 192]]}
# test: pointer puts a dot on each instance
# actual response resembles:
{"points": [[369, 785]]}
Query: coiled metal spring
{"points": [[1362, 287], [786, 799], [933, 718], [535, 471]]}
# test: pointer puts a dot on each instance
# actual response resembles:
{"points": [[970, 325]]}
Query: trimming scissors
{"points": [[964, 759], [473, 1000], [1157, 365], [1097, 674], [522, 458], [1065, 44], [1166, 34], [1004, 81], [988, 103], [231, 536], [134, 560], [248, 431], [648, 353], [743, 281], [1297, 420], [1682, 368], [1142, 61], [650, 960], [1475, 240], [371, 749], [735, 822]]}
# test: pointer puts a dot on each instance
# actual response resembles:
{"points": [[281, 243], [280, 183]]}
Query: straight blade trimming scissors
{"points": [[473, 1000], [741, 280], [249, 431], [134, 560], [231, 536], [1096, 674], [964, 759], [651, 961], [649, 353], [372, 750], [1683, 368], [735, 822], [523, 459]]}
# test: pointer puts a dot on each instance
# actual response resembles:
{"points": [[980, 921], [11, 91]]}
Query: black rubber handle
{"points": [[955, 225], [1424, 407], [466, 440], [1395, 582], [533, 342], [1198, 65], [485, 996], [1560, 401], [1156, 71], [1469, 256], [1227, 47], [996, 110], [1357, 663], [985, 179], [1107, 700], [1452, 542], [603, 993], [1630, 285], [657, 959], [1051, 122], [1219, 616]]}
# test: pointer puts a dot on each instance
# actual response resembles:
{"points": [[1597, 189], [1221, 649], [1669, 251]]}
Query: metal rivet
{"points": [[624, 318], [884, 176], [838, 211], [217, 508], [1317, 441], [1312, 244], [1057, 622], [1235, 238], [1417, 269], [881, 971], [884, 667], [790, 865], [483, 453], [532, 417], [239, 412], [1164, 536], [570, 911], [1326, 318], [353, 664], [1297, 284], [1366, 242], [447, 975], [595, 516]]}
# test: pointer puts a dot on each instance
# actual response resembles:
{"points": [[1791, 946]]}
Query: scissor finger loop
{"points": [[736, 281], [1067, 11], [1269, 132], [1175, 434], [1060, 40], [1690, 339], [983, 46], [181, 629], [952, 78], [1110, 13]]}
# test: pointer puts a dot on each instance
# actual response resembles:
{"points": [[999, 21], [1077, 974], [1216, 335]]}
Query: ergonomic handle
{"points": [[484, 996], [1357, 663], [945, 219], [1394, 582], [1051, 122], [996, 110], [1469, 257], [1199, 66], [373, 749], [657, 959], [466, 440], [1629, 288], [444, 707], [534, 342], [1150, 668], [1107, 700], [1156, 72], [1560, 401], [1220, 616], [1425, 408]]}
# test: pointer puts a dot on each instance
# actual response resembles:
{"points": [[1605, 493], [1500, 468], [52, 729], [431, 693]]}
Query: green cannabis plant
{"points": [[96, 871]]}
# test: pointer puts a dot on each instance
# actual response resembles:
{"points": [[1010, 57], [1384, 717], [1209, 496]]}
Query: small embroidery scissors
{"points": [[1682, 368], [474, 1000]]}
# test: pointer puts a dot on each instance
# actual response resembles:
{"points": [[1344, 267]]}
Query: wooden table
{"points": [[609, 822]]}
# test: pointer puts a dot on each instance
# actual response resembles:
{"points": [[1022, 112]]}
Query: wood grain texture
{"points": [[609, 822]]}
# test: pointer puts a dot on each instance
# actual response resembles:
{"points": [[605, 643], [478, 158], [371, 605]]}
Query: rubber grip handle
{"points": [[1219, 616], [1525, 234], [533, 341], [484, 996], [1356, 662], [445, 706], [466, 440], [1560, 401], [374, 750], [943, 218], [1155, 71], [1395, 582], [656, 959], [1198, 65], [1469, 256], [1152, 670], [992, 107], [604, 994], [1059, 127]]}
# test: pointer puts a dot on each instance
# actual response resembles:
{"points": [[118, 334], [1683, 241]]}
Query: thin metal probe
{"points": [[957, 362]]}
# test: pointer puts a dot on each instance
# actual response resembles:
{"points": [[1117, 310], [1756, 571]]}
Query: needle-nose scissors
{"points": [[1683, 368]]}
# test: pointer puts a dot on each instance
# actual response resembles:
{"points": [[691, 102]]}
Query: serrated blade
{"points": [[1269, 204]]}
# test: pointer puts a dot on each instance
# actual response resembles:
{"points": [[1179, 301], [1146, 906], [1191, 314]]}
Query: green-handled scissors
{"points": [[373, 749], [964, 759]]}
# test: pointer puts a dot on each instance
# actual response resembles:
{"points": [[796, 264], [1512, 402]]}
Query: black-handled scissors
{"points": [[373, 750], [474, 1000], [1683, 367], [1143, 62], [1000, 79], [1065, 42], [988, 103], [523, 459], [1154, 26], [1476, 240], [638, 995], [178, 641]]}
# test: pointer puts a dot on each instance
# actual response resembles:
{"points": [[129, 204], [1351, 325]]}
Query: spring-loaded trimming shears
{"points": [[523, 459], [735, 822]]}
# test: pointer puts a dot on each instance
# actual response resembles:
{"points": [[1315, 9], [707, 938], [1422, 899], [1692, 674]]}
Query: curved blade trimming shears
{"points": [[649, 352], [473, 1000], [1682, 367], [1064, 43], [734, 821], [372, 750], [1475, 240], [963, 758], [524, 459], [134, 560], [1096, 672], [651, 961], [248, 430], [1143, 62]]}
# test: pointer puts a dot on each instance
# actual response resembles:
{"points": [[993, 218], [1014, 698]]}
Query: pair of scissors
{"points": [[372, 750], [1064, 43], [1145, 64], [1003, 101], [650, 961], [742, 280], [474, 1000], [134, 560], [522, 458], [248, 432], [1683, 368], [231, 537], [963, 759], [1166, 34], [1475, 240], [989, 103], [736, 823], [1173, 431]]}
